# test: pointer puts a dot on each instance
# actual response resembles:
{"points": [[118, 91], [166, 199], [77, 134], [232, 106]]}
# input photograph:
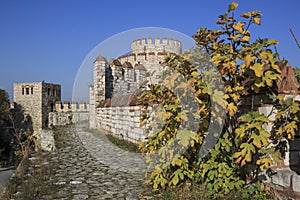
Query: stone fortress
{"points": [[116, 82], [112, 106]]}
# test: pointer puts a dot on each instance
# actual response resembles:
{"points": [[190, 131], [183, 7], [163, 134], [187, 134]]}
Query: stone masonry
{"points": [[118, 80], [66, 113], [37, 100]]}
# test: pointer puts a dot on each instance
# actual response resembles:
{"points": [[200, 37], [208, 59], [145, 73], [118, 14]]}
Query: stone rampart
{"points": [[67, 106], [65, 118], [159, 45], [123, 122], [69, 112]]}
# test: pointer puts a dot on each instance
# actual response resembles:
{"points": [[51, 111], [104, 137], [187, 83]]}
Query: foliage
{"points": [[4, 137], [248, 68], [297, 73], [4, 103]]}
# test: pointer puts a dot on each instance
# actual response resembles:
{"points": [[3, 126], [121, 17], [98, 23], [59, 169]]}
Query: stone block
{"points": [[296, 183], [47, 140], [282, 178]]}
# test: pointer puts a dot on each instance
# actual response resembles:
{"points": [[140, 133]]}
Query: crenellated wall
{"points": [[67, 106], [69, 112], [159, 45]]}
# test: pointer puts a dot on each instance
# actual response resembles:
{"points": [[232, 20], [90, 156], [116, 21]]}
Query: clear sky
{"points": [[49, 39]]}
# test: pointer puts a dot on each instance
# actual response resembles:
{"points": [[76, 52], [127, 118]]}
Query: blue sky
{"points": [[49, 39]]}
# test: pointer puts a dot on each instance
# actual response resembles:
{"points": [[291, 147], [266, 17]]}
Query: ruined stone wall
{"points": [[123, 122]]}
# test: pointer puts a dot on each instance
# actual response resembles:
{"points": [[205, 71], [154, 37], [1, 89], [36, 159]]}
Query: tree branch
{"points": [[295, 38]]}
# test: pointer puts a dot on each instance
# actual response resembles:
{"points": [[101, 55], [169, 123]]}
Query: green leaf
{"points": [[175, 180], [185, 136], [261, 139], [177, 162]]}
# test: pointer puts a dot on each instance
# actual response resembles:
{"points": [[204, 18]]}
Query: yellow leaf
{"points": [[258, 69], [235, 37], [237, 161], [232, 6], [257, 20], [264, 163], [195, 74], [248, 157], [177, 162], [232, 109], [261, 139], [248, 59], [246, 14], [239, 27], [142, 123], [240, 132], [245, 38]]}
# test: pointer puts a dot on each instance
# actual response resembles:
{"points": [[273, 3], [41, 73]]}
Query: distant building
{"points": [[37, 100]]}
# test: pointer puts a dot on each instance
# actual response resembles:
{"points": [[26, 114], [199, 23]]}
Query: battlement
{"points": [[158, 45], [67, 106]]}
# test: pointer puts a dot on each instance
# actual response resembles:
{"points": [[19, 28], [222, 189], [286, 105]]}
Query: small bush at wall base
{"points": [[120, 142], [123, 144], [192, 191]]}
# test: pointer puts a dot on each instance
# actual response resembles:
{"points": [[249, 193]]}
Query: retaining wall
{"points": [[123, 122]]}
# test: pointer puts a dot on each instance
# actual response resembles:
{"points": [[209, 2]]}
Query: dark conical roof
{"points": [[288, 84], [140, 67], [127, 65], [115, 62]]}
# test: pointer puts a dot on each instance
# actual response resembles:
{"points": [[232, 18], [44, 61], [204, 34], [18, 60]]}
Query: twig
{"points": [[295, 38]]}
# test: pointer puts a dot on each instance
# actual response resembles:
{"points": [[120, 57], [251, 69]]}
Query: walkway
{"points": [[88, 166], [5, 174]]}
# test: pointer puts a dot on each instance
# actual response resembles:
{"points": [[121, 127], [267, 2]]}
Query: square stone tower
{"points": [[37, 100]]}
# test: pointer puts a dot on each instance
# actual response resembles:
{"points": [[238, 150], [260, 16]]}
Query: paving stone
{"points": [[88, 166]]}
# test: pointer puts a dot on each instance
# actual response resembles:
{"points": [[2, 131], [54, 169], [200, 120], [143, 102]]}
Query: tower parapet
{"points": [[160, 45]]}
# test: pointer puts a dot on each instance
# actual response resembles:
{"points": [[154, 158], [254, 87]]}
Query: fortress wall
{"points": [[65, 118], [160, 45], [67, 113], [66, 106], [144, 58], [123, 122]]}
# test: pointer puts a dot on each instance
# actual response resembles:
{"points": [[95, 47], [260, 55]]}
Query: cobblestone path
{"points": [[88, 166]]}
